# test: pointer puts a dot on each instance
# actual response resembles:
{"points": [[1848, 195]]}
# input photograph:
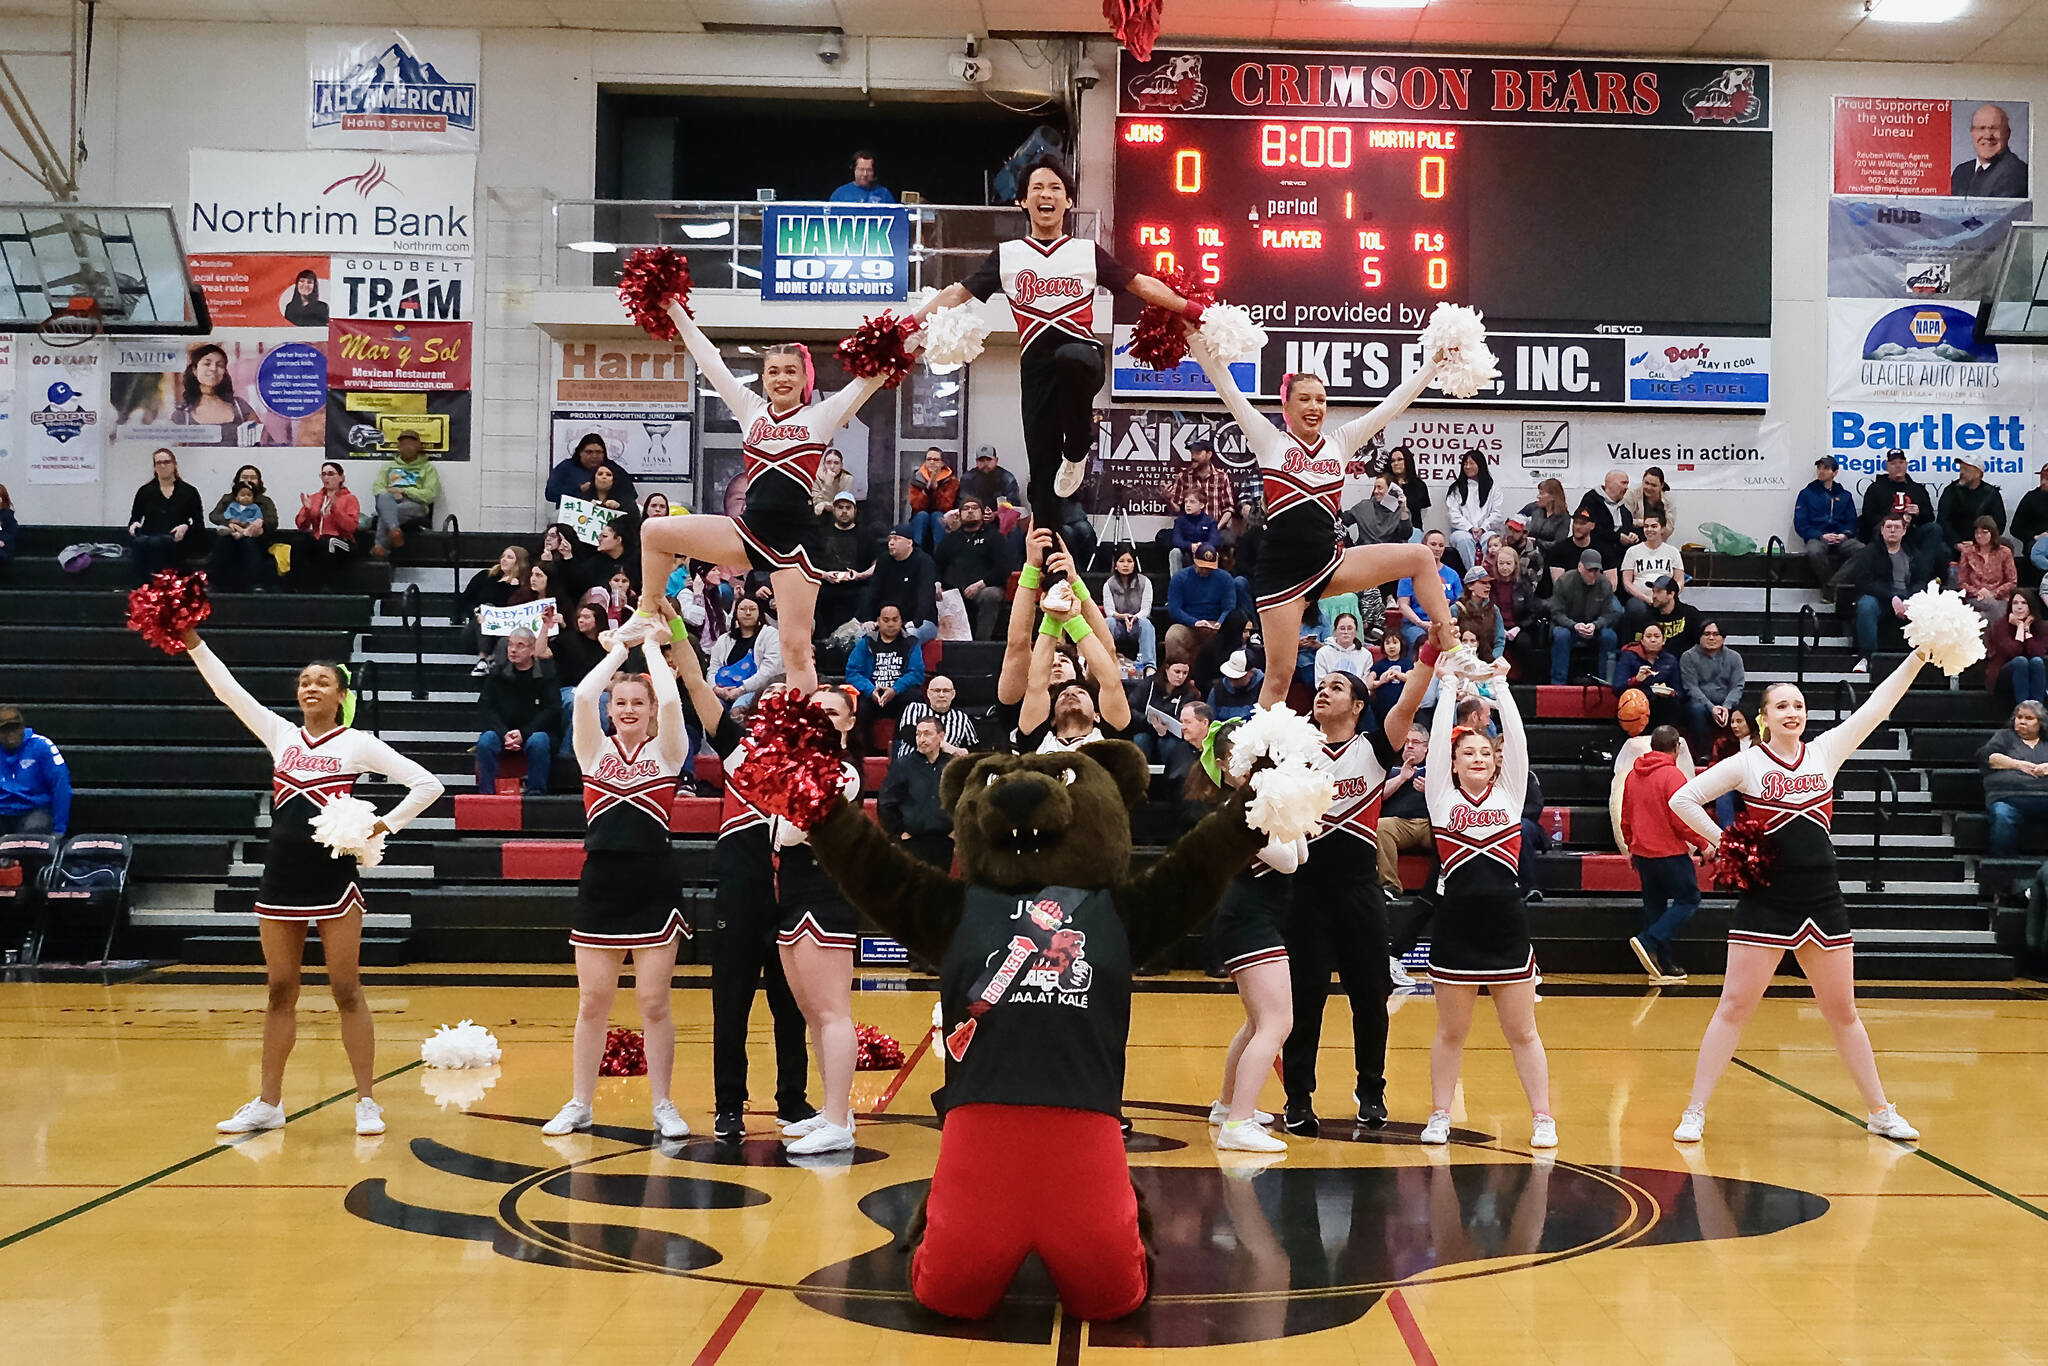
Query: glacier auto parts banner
{"points": [[1881, 351], [390, 91]]}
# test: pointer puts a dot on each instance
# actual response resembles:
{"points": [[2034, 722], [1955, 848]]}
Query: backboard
{"points": [[2016, 310], [126, 262]]}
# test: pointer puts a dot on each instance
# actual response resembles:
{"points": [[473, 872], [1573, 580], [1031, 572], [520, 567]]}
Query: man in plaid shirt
{"points": [[1202, 475]]}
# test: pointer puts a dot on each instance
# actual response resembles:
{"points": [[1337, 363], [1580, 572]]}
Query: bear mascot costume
{"points": [[1036, 942]]}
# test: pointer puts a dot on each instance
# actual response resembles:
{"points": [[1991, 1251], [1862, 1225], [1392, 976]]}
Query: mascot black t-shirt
{"points": [[1036, 998]]}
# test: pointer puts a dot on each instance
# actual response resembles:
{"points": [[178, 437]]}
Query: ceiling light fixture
{"points": [[1387, 4], [1914, 11], [593, 248]]}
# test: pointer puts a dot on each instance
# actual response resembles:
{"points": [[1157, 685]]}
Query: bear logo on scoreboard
{"points": [[1174, 88], [1729, 98]]}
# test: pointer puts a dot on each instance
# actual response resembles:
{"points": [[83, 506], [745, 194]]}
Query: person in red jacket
{"points": [[1661, 847], [327, 521]]}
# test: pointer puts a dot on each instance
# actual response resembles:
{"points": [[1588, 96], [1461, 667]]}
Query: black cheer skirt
{"points": [[1481, 942], [1801, 906], [629, 901], [1246, 930], [1298, 556], [779, 528], [810, 903], [304, 881]]}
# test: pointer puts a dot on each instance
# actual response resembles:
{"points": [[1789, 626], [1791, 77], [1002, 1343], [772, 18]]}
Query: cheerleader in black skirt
{"points": [[1788, 784], [629, 900], [1481, 939], [314, 762]]}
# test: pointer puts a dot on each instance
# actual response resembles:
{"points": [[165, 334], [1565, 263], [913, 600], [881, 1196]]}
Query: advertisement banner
{"points": [[7, 403], [397, 356], [331, 201], [246, 387], [1932, 436], [366, 426], [1899, 248], [263, 291], [1881, 351], [586, 518], [1893, 146], [391, 91], [1700, 371], [638, 395], [647, 443], [835, 251], [63, 392], [402, 288]]}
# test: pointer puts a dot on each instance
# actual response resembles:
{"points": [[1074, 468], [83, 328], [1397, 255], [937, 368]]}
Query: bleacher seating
{"points": [[486, 877]]}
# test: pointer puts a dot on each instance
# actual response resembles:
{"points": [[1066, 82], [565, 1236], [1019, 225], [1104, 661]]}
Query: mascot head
{"points": [[1022, 821]]}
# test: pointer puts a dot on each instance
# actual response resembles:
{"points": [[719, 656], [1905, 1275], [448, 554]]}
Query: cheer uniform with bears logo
{"points": [[630, 893], [303, 880], [779, 456], [1481, 936], [811, 904]]}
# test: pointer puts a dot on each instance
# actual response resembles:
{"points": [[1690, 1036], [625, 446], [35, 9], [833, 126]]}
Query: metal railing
{"points": [[451, 535], [589, 239], [1774, 552], [1807, 618], [410, 614], [1886, 811]]}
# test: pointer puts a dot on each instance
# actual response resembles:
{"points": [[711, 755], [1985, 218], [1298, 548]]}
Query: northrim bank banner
{"points": [[393, 203]]}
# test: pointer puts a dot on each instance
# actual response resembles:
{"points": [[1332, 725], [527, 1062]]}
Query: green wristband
{"points": [[1048, 627], [1080, 588], [1030, 578], [1077, 629]]}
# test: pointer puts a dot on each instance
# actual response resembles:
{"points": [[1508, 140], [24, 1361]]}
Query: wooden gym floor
{"points": [[128, 1235]]}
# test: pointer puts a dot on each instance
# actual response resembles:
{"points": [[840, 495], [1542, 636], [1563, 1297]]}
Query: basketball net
{"points": [[75, 324]]}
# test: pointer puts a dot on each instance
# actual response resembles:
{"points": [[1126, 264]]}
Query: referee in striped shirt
{"points": [[937, 704]]}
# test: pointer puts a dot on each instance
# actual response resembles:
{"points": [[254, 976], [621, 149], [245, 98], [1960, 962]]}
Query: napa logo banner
{"points": [[384, 90], [854, 253], [1883, 351]]}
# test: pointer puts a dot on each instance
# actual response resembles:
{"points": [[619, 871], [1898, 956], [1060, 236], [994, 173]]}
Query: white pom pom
{"points": [[1469, 365], [1946, 629], [458, 1089], [1275, 733], [953, 337], [344, 826], [1290, 799], [1230, 333], [465, 1045]]}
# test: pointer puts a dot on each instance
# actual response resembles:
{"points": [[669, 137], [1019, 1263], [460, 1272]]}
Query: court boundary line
{"points": [[89, 1206], [1943, 1163], [728, 1327], [1411, 1331]]}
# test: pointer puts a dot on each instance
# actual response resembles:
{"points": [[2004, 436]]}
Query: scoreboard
{"points": [[1612, 219]]}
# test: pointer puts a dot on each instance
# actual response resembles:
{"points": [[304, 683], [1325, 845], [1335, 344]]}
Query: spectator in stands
{"points": [[1515, 535], [1127, 600], [1156, 704], [407, 486], [887, 670], [1475, 506], [908, 805], [521, 708], [654, 505], [163, 521], [1236, 693], [1884, 574], [559, 552], [1670, 612], [1392, 659], [863, 189], [1379, 518], [1897, 491], [492, 587], [1404, 813], [576, 652], [2016, 650], [1652, 493], [616, 598], [2015, 764], [543, 587], [703, 597], [1614, 525], [8, 527], [1660, 846], [1345, 651], [1414, 623], [1986, 574], [1548, 519], [1515, 595], [1203, 476], [1407, 476], [611, 557], [1192, 529], [906, 577], [1712, 679], [1739, 736], [604, 490], [327, 522], [1238, 537], [1564, 555], [747, 658], [1645, 562], [1645, 666], [246, 517], [845, 554], [1582, 612], [991, 483], [2030, 522], [1825, 518], [1477, 614], [934, 490], [35, 784], [975, 559], [957, 730], [1200, 599], [576, 477], [832, 481], [1966, 504]]}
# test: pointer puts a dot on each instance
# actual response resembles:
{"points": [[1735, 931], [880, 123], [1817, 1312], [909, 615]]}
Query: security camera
{"points": [[969, 65], [1087, 75], [830, 49]]}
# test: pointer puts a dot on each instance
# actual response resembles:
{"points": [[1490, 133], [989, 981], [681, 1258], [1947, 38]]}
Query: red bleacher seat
{"points": [[934, 651], [694, 815], [1573, 702], [1608, 873], [872, 770], [1415, 871], [542, 860], [710, 770], [488, 811]]}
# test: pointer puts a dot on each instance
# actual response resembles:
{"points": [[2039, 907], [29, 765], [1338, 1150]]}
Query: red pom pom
{"points": [[651, 277], [625, 1054], [877, 348], [875, 1051], [792, 768], [1135, 24], [1744, 863], [1160, 339], [166, 607]]}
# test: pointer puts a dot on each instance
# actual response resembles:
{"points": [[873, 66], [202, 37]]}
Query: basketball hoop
{"points": [[75, 324]]}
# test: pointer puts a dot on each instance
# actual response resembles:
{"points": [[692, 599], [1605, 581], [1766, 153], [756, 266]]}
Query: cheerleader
{"points": [[818, 934], [629, 897], [1302, 470], [1788, 786], [784, 431], [1475, 788], [304, 882]]}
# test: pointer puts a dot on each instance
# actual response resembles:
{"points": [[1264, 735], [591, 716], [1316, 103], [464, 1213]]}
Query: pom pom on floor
{"points": [[345, 826], [1230, 334], [878, 347], [1159, 341], [1469, 365], [793, 765], [953, 337], [1290, 799], [467, 1044], [458, 1090], [625, 1053], [1744, 863], [1946, 629], [1276, 733], [166, 607], [875, 1051], [651, 279]]}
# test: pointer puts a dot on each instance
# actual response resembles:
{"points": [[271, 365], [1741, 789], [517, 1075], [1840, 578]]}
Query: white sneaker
{"points": [[1245, 1136], [1399, 974], [1861, 666], [369, 1118], [1889, 1123], [668, 1121], [571, 1118], [1543, 1132], [1438, 1130], [1646, 958], [803, 1128], [1219, 1113], [1067, 482], [825, 1138], [252, 1118], [1692, 1125], [481, 667]]}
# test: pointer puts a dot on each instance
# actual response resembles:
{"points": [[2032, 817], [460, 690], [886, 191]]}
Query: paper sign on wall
{"points": [[63, 394]]}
